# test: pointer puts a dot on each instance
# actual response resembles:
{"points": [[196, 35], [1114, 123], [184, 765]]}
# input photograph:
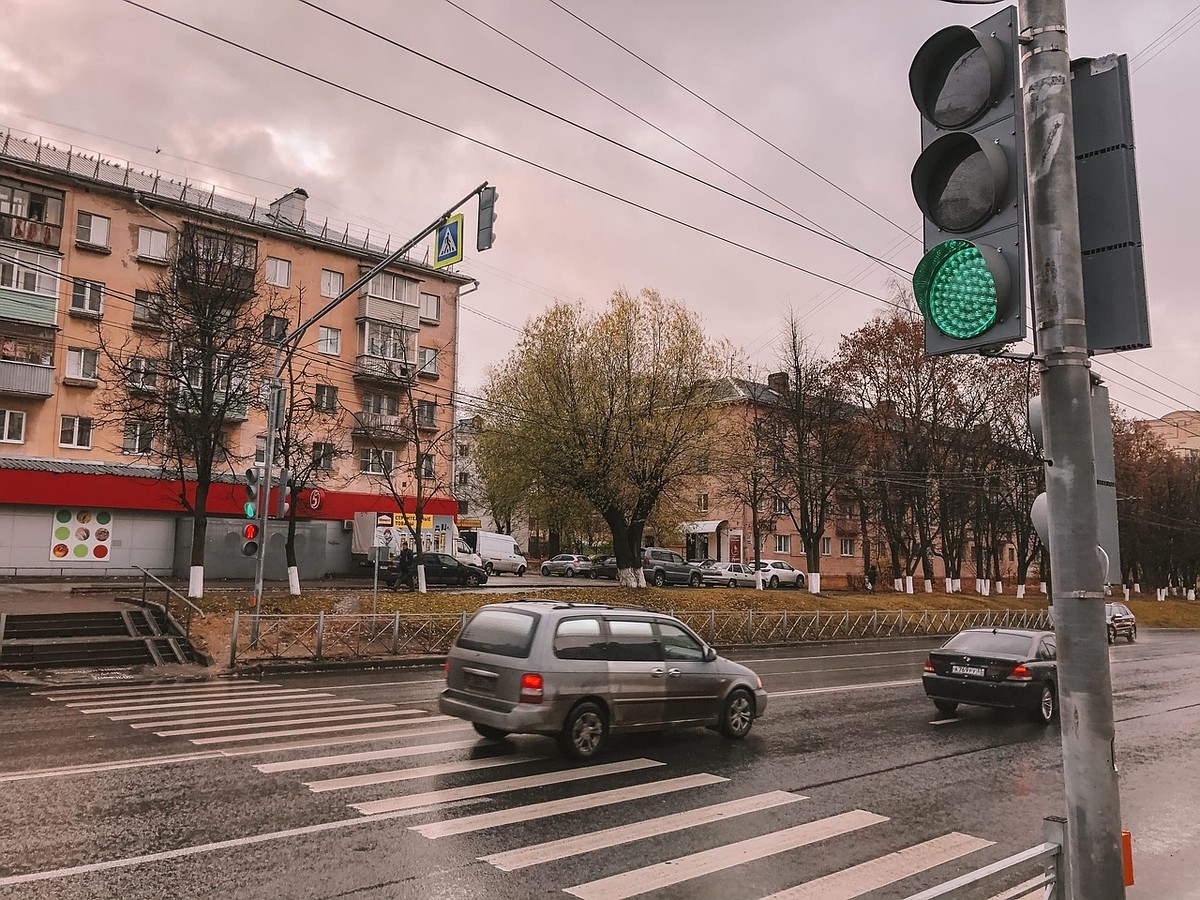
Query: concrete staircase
{"points": [[145, 636]]}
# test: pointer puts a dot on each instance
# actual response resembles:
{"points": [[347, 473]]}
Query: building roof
{"points": [[733, 390], [83, 467]]}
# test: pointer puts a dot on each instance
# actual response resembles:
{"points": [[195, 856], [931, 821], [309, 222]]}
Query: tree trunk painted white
{"points": [[631, 578], [294, 581], [758, 580], [1137, 587], [898, 584], [1020, 592], [421, 588], [908, 584], [929, 585], [985, 587], [1125, 590], [957, 586], [999, 587], [814, 582], [196, 582], [1042, 587], [1191, 594]]}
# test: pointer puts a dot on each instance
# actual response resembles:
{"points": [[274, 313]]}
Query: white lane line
{"points": [[291, 706], [346, 739], [90, 768], [567, 805], [242, 726], [315, 706], [150, 700], [317, 762], [181, 852], [502, 787], [378, 684], [233, 739], [837, 689], [164, 690], [685, 868], [231, 702], [884, 870], [451, 768], [945, 721], [536, 854]]}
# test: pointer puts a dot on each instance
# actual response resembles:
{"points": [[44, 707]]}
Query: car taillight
{"points": [[531, 688], [929, 664], [446, 667], [1020, 673]]}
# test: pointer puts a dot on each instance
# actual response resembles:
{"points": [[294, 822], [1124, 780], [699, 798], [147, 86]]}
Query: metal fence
{"points": [[334, 636]]}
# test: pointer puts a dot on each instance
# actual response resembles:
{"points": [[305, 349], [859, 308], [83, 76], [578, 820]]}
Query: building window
{"points": [[92, 230], [143, 374], [275, 329], [387, 286], [388, 341], [87, 297], [83, 363], [28, 270], [327, 398], [702, 503], [426, 413], [279, 272], [464, 479], [779, 506], [147, 307], [329, 340], [76, 431], [783, 543], [847, 546], [826, 546], [322, 455], [427, 361], [26, 201], [139, 438], [426, 465], [152, 243], [1012, 554], [431, 307], [380, 404], [375, 461], [331, 283], [12, 426]]}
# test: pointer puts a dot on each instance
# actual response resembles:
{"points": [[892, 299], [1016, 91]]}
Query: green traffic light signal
{"points": [[250, 510], [962, 288]]}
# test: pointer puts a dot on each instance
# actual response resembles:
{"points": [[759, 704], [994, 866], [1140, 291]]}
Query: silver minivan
{"points": [[579, 672]]}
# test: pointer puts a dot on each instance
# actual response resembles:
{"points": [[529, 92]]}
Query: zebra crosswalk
{"points": [[417, 763]]}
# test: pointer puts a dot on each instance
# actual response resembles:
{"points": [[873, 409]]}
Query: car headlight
{"points": [[759, 677]]}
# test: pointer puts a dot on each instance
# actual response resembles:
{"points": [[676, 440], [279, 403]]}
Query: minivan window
{"points": [[500, 631], [678, 644], [633, 641], [579, 639]]}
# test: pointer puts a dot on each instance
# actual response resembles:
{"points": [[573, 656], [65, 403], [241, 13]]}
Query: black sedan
{"points": [[440, 568], [1121, 622], [604, 567], [1010, 668]]}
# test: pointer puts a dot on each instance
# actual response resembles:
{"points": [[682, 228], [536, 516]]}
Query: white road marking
{"points": [[839, 688], [181, 852], [232, 702], [379, 684], [567, 805], [316, 762], [217, 729], [450, 768], [536, 854], [345, 739], [945, 721], [291, 705], [159, 690], [90, 768], [315, 706], [259, 735], [502, 787], [685, 868], [884, 870]]}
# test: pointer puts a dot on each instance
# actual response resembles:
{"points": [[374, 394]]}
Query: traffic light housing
{"points": [[969, 183], [486, 236], [283, 494], [251, 482]]}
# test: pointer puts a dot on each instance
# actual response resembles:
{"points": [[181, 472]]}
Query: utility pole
{"points": [[1060, 331]]}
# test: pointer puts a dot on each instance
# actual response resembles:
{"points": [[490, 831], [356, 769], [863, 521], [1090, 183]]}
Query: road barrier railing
{"points": [[332, 636]]}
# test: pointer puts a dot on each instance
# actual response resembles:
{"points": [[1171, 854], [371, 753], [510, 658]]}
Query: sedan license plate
{"points": [[973, 671]]}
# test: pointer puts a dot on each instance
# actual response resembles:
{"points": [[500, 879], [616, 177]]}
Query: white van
{"points": [[499, 552]]}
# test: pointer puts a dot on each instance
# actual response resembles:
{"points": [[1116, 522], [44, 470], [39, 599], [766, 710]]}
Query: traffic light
{"points": [[487, 218], [250, 542], [283, 495], [969, 182]]}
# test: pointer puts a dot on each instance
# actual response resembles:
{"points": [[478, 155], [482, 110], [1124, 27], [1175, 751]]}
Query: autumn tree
{"points": [[610, 408]]}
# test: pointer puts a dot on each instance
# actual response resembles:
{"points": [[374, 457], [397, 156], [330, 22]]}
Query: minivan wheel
{"points": [[1047, 707], [487, 731], [737, 715], [659, 579], [520, 571], [545, 572], [1112, 635], [490, 569], [584, 732], [1132, 636]]}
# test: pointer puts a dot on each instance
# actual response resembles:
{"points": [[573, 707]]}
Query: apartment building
{"points": [[86, 247]]}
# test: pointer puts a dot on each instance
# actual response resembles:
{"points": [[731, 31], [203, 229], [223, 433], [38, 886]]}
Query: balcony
{"points": [[21, 379], [385, 371], [380, 426], [393, 313], [30, 231]]}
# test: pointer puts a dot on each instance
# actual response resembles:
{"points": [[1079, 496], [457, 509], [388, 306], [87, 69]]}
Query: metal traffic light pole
{"points": [[1084, 678], [291, 343]]}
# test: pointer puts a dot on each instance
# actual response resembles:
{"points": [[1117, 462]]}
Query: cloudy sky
{"points": [[825, 83]]}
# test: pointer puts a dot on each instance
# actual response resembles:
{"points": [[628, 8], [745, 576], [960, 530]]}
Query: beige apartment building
{"points": [[85, 246]]}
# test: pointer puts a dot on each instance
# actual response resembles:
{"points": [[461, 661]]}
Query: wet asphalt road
{"points": [[94, 807]]}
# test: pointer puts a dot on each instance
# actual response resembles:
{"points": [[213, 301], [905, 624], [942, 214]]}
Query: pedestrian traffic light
{"points": [[251, 483], [250, 539], [969, 182], [487, 218]]}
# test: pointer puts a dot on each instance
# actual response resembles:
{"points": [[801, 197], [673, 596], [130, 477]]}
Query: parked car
{"points": [[580, 672], [1012, 668], [706, 563], [1121, 622], [604, 567], [569, 564], [662, 566], [728, 574], [440, 568], [777, 572]]}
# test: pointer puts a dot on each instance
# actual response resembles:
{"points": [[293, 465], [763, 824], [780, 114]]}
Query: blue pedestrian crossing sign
{"points": [[449, 247]]}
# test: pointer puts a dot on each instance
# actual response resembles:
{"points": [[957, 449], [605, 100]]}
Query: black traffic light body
{"points": [[283, 494], [486, 235], [969, 182], [252, 483]]}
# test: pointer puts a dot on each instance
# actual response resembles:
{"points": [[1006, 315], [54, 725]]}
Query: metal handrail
{"points": [[192, 607]]}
